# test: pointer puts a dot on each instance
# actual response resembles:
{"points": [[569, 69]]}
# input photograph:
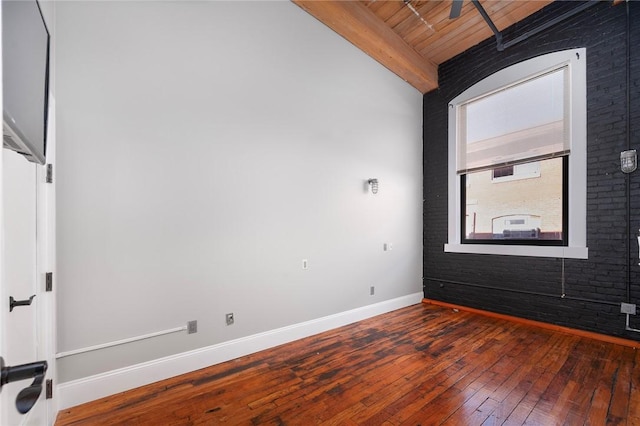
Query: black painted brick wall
{"points": [[531, 287]]}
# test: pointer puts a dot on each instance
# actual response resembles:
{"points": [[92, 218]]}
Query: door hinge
{"points": [[49, 173], [48, 285], [49, 389]]}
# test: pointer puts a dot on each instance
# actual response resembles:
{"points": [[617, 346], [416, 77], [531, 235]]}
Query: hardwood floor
{"points": [[421, 365]]}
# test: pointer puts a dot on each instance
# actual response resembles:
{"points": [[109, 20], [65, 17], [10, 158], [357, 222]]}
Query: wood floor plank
{"points": [[552, 364], [423, 364], [587, 374], [633, 412], [514, 388], [619, 405], [601, 397]]}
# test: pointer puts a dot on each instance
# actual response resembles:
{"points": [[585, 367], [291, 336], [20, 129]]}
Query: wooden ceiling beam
{"points": [[360, 26]]}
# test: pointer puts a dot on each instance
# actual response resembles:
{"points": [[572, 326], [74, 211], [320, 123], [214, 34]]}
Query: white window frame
{"points": [[575, 60]]}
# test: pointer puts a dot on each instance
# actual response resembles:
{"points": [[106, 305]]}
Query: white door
{"points": [[21, 280], [27, 251]]}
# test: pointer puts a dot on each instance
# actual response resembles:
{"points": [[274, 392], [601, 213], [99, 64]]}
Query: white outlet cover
{"points": [[628, 308]]}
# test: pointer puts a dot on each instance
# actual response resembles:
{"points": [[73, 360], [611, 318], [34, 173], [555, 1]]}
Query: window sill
{"points": [[517, 250]]}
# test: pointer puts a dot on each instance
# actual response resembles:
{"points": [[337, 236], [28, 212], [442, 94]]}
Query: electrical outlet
{"points": [[628, 308], [229, 318], [192, 327], [372, 290]]}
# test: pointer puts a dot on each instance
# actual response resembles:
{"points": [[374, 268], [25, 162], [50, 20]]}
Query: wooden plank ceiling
{"points": [[412, 37]]}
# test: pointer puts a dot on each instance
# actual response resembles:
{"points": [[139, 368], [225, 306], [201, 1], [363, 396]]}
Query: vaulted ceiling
{"points": [[412, 37]]}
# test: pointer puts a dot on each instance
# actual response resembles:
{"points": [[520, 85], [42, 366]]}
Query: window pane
{"points": [[521, 122], [502, 172], [527, 205], [530, 104]]}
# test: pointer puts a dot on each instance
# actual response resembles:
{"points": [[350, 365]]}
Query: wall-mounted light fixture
{"points": [[628, 161], [373, 184]]}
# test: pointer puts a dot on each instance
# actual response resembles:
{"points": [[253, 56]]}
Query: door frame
{"points": [[46, 259]]}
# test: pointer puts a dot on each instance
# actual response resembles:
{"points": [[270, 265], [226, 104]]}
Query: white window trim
{"points": [[576, 60]]}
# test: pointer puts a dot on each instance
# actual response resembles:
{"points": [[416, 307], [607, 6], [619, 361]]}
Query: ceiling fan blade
{"points": [[456, 7]]}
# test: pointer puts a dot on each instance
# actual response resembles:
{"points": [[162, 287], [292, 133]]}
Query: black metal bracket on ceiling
{"points": [[503, 45]]}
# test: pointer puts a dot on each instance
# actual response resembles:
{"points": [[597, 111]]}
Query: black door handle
{"points": [[13, 302], [28, 396]]}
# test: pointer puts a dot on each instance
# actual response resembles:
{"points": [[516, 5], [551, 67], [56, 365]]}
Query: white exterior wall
{"points": [[204, 150]]}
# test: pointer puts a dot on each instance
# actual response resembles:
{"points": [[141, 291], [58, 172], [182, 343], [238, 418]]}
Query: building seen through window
{"points": [[518, 202]]}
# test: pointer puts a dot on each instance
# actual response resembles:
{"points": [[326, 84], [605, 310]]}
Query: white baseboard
{"points": [[98, 386]]}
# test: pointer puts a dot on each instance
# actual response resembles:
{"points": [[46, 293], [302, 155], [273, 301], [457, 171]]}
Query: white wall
{"points": [[204, 150]]}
